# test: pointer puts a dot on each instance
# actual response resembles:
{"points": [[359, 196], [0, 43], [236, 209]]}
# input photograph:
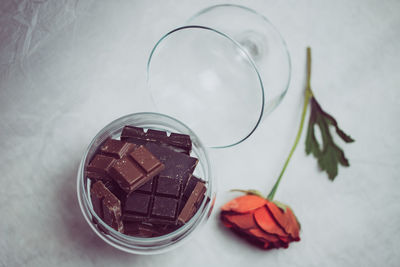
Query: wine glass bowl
{"points": [[221, 73], [207, 80], [260, 38]]}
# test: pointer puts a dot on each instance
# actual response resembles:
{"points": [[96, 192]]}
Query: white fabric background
{"points": [[67, 68]]}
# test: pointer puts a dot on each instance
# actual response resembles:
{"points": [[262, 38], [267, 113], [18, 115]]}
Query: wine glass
{"points": [[209, 76]]}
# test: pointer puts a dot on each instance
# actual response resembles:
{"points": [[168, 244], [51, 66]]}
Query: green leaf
{"points": [[312, 145], [329, 154]]}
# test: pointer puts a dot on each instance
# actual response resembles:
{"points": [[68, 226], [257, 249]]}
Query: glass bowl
{"points": [[153, 245]]}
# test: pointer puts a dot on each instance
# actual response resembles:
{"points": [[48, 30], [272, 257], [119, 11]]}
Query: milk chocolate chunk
{"points": [[191, 184], [175, 141], [135, 169], [193, 203], [116, 148], [106, 205], [99, 166]]}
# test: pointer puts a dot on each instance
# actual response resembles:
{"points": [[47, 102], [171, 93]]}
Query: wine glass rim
{"points": [[241, 49], [267, 21]]}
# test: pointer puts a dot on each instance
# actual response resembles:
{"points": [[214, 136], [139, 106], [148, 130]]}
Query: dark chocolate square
{"points": [[137, 203], [116, 190], [168, 186], [147, 187], [116, 148], [177, 165], [165, 207]]}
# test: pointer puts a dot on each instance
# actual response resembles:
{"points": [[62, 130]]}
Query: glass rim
{"points": [[144, 243], [241, 49]]}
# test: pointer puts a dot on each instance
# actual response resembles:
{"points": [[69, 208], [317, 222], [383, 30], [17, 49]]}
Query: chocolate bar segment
{"points": [[145, 159], [116, 148], [165, 207], [177, 165], [147, 187], [135, 169], [193, 203], [159, 201], [99, 167], [106, 205], [116, 190], [110, 150], [187, 192], [138, 203], [175, 141], [156, 206], [169, 186]]}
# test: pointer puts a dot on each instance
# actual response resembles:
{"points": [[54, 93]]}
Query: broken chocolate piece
{"points": [[116, 190], [135, 169], [175, 141], [116, 148], [160, 202], [191, 184], [99, 167], [106, 205], [157, 206], [177, 165], [193, 203]]}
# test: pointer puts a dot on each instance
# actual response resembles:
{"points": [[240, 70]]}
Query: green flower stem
{"points": [[307, 97]]}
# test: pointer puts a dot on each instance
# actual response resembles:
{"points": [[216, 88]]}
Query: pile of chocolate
{"points": [[143, 184]]}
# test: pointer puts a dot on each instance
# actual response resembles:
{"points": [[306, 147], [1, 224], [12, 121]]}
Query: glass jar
{"points": [[152, 245]]}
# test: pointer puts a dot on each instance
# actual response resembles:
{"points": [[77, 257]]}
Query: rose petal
{"points": [[285, 220], [285, 239], [263, 235], [244, 204], [267, 223], [281, 244], [243, 221], [295, 227]]}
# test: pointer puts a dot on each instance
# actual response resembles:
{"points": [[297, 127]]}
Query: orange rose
{"points": [[268, 224]]}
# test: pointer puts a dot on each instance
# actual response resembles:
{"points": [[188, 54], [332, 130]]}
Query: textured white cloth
{"points": [[67, 68]]}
